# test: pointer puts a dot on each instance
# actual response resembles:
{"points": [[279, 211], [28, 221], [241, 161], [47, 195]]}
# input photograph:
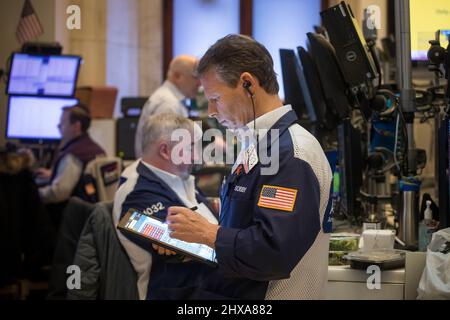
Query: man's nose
{"points": [[212, 110]]}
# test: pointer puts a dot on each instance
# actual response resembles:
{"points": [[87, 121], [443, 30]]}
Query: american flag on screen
{"points": [[29, 26], [278, 198], [153, 231]]}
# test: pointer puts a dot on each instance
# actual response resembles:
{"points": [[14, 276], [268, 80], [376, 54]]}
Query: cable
{"points": [[254, 125], [246, 85], [396, 141]]}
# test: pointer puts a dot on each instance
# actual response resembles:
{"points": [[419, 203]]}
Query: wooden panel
{"points": [[246, 17], [167, 34]]}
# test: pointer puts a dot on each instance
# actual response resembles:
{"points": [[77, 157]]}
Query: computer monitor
{"points": [[292, 89], [426, 18], [330, 75], [132, 106], [310, 81], [43, 75], [350, 168], [35, 118], [353, 53]]}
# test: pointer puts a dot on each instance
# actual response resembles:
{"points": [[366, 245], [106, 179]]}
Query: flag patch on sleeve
{"points": [[279, 198]]}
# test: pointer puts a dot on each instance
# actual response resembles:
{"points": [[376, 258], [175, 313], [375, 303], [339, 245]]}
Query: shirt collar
{"points": [[280, 118], [263, 123], [185, 189], [173, 88], [267, 120]]}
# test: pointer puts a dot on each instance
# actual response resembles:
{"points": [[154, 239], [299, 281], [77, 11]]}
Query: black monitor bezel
{"points": [[316, 41], [300, 110]]}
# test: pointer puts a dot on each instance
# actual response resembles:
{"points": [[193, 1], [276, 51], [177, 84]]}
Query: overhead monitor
{"points": [[35, 118], [426, 18], [43, 75]]}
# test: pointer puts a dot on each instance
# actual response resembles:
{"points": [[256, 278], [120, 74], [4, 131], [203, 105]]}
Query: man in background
{"points": [[152, 184], [77, 149], [180, 84]]}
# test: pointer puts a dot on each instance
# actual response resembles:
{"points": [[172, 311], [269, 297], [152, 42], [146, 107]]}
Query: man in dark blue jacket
{"points": [[272, 241], [152, 185]]}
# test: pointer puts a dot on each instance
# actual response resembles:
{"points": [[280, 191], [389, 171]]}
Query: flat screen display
{"points": [[158, 232], [43, 75], [35, 118]]}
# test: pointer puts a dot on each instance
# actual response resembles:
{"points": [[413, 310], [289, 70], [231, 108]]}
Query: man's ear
{"points": [[164, 150], [247, 78], [177, 75]]}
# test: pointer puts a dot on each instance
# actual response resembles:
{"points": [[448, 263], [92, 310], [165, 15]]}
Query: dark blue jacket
{"points": [[169, 278], [256, 243]]}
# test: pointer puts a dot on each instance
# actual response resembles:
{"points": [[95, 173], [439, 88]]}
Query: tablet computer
{"points": [[156, 231]]}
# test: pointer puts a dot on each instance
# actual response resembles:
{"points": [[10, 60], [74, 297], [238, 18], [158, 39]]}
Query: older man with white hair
{"points": [[162, 178], [181, 84]]}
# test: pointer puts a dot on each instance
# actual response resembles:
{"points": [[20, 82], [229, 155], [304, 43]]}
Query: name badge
{"points": [[250, 158]]}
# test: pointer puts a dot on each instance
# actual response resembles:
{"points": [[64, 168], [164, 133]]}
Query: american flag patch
{"points": [[273, 197]]}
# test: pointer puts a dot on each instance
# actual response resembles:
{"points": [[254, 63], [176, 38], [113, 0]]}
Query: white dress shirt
{"points": [[68, 174], [263, 123]]}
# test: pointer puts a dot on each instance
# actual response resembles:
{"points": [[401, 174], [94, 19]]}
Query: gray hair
{"points": [[161, 126]]}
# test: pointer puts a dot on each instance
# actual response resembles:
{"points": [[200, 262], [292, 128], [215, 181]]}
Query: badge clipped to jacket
{"points": [[250, 158]]}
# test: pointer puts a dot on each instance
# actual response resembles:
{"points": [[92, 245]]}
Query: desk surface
{"points": [[347, 274]]}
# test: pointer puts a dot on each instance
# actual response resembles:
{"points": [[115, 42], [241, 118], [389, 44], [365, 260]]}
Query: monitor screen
{"points": [[35, 118], [427, 17], [43, 75]]}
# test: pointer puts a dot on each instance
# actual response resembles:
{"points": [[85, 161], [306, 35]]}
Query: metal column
{"points": [[408, 216]]}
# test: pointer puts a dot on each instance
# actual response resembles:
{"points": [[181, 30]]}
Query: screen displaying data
{"points": [[35, 117], [43, 75]]}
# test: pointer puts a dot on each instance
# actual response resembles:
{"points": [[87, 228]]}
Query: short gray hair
{"points": [[161, 126]]}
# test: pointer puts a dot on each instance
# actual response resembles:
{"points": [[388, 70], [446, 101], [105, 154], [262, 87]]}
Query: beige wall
{"points": [[90, 41], [134, 46], [120, 42]]}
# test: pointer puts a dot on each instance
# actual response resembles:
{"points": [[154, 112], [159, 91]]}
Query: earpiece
{"points": [[247, 86]]}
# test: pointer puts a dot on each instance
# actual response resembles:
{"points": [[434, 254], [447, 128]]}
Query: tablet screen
{"points": [[152, 228]]}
